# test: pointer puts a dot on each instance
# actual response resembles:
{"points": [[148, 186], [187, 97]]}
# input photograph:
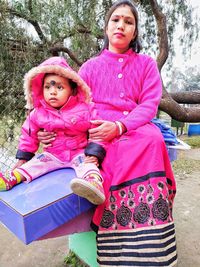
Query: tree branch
{"points": [[186, 97], [168, 104], [30, 6], [82, 30], [162, 33], [34, 23], [55, 50], [178, 112]]}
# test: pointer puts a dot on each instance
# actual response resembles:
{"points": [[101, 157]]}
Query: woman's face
{"points": [[121, 29]]}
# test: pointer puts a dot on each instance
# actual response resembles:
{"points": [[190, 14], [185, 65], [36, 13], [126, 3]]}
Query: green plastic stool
{"points": [[84, 246]]}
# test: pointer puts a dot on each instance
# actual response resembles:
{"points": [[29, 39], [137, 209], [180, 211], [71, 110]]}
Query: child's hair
{"points": [[72, 84], [134, 44]]}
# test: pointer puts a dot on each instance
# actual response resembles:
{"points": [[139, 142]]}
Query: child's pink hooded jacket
{"points": [[70, 123]]}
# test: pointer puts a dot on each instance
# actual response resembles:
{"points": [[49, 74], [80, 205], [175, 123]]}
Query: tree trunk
{"points": [[192, 97], [170, 102]]}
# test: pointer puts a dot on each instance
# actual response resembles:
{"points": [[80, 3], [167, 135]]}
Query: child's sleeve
{"points": [[28, 141], [97, 150]]}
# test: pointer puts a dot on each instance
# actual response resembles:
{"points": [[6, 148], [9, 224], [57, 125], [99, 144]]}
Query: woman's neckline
{"points": [[111, 54]]}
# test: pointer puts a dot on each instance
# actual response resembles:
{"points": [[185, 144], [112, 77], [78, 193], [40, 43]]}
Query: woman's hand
{"points": [[104, 131], [46, 138], [92, 159]]}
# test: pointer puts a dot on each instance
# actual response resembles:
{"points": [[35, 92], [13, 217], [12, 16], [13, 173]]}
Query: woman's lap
{"points": [[134, 155], [140, 189]]}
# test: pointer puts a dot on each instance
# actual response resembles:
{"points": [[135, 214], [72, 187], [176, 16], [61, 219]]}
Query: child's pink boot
{"points": [[89, 187], [8, 180]]}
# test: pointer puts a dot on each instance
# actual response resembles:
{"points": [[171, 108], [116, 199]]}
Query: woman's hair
{"points": [[134, 44]]}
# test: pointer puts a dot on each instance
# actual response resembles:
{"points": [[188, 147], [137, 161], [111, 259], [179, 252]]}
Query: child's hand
{"points": [[91, 159], [19, 163]]}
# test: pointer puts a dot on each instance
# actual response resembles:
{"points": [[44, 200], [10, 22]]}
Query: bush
{"points": [[72, 260], [193, 141]]}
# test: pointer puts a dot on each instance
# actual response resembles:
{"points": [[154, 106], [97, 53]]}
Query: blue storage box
{"points": [[193, 129], [32, 211]]}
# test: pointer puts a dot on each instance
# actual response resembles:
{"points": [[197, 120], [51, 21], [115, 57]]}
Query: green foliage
{"points": [[189, 80], [9, 135], [79, 24], [9, 130], [72, 260], [178, 14], [84, 30], [193, 141], [184, 166]]}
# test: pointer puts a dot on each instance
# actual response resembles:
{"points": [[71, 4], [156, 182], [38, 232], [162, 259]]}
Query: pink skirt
{"points": [[135, 225]]}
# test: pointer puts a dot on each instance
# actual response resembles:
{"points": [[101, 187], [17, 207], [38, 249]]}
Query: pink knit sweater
{"points": [[125, 87]]}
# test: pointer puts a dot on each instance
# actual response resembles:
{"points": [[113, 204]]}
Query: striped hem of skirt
{"points": [[147, 246]]}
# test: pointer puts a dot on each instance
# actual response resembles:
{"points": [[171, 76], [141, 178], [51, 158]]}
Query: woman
{"points": [[134, 225]]}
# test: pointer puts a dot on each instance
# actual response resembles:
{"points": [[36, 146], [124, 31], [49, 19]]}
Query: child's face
{"points": [[56, 90]]}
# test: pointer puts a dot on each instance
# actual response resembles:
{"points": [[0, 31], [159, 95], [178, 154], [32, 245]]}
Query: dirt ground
{"points": [[51, 252], [187, 208]]}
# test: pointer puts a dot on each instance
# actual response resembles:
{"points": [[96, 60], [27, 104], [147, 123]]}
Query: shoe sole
{"points": [[81, 188]]}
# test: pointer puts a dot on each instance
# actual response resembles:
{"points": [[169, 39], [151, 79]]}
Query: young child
{"points": [[61, 103]]}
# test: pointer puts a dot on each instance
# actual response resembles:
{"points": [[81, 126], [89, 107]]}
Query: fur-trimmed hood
{"points": [[33, 80]]}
